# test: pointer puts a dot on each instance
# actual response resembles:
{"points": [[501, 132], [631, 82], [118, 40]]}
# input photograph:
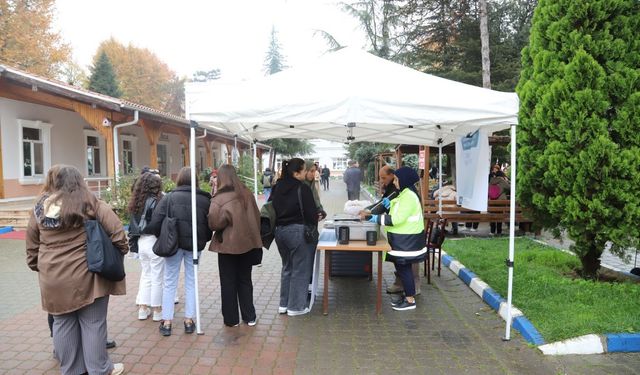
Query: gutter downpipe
{"points": [[116, 157]]}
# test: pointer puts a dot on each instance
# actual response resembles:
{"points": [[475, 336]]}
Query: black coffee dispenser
{"points": [[343, 235]]}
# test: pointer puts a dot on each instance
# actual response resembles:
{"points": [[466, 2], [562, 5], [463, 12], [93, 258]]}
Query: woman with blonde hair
{"points": [[56, 249], [235, 218]]}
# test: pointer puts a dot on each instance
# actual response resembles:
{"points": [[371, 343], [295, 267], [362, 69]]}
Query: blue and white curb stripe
{"points": [[588, 344]]}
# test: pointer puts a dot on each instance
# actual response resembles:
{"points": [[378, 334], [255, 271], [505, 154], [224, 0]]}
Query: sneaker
{"points": [[404, 305], [189, 327], [165, 330], [143, 313], [473, 230], [462, 229], [282, 310], [252, 323], [118, 368], [397, 302], [393, 289], [296, 313], [157, 316]]}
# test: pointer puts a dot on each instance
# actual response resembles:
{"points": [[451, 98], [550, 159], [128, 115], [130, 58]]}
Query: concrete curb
{"points": [[493, 299], [4, 230], [587, 344]]}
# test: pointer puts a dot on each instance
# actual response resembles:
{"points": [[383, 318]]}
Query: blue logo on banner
{"points": [[471, 141]]}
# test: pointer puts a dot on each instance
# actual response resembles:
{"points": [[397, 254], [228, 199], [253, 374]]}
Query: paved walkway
{"points": [[451, 332]]}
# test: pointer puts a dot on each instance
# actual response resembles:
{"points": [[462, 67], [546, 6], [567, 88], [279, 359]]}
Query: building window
{"points": [[339, 164], [35, 150], [32, 152], [93, 156], [127, 157], [162, 159]]}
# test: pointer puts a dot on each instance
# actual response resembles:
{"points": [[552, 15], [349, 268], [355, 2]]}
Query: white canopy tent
{"points": [[351, 95]]}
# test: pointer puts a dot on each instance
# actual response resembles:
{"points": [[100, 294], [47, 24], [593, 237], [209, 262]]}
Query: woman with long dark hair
{"points": [[178, 204], [297, 254], [56, 249], [146, 193], [235, 218]]}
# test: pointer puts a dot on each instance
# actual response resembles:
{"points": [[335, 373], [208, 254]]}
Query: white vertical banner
{"points": [[472, 170]]}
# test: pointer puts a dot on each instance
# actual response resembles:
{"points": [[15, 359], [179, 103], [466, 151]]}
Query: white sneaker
{"points": [[118, 369], [473, 230], [296, 313], [282, 310], [252, 323], [157, 316], [143, 313], [462, 229]]}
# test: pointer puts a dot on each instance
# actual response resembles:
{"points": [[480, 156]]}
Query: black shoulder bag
{"points": [[167, 243], [310, 231], [102, 257]]}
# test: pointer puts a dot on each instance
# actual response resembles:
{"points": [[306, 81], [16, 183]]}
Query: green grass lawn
{"points": [[559, 306]]}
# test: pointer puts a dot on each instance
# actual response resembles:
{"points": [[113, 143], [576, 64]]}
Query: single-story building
{"points": [[44, 122]]}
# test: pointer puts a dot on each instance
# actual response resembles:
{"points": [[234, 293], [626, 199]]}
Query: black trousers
{"points": [[496, 227], [236, 288]]}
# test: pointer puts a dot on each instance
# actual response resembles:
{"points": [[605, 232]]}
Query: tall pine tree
{"points": [[578, 139], [274, 62], [103, 78]]}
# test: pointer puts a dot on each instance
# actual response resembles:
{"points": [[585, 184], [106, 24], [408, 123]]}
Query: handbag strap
{"points": [[169, 204], [300, 202]]}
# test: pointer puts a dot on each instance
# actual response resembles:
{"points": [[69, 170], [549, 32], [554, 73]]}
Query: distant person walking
{"points": [[78, 299], [353, 177], [324, 177], [235, 218], [267, 183]]}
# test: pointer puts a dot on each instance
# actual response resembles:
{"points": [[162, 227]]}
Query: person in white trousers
{"points": [[146, 194]]}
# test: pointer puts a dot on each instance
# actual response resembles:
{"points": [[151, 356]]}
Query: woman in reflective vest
{"points": [[404, 225]]}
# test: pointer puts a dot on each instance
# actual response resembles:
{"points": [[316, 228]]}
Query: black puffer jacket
{"points": [[180, 208]]}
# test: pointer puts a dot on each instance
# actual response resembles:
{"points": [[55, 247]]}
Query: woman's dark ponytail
{"points": [[291, 166]]}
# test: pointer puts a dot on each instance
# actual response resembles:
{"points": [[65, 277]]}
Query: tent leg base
{"points": [[506, 339]]}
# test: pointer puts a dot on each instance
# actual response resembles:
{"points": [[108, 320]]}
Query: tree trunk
{"points": [[484, 41], [589, 252]]}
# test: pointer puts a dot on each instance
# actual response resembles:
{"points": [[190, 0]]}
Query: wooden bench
{"points": [[497, 211]]}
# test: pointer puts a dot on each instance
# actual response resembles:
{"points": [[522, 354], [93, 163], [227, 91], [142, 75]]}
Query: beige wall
{"points": [[67, 142]]}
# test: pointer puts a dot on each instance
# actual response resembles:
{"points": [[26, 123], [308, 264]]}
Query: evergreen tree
{"points": [[274, 62], [579, 146], [103, 78]]}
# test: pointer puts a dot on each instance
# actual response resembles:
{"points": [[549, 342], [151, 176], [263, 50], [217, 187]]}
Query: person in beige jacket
{"points": [[77, 298], [235, 218]]}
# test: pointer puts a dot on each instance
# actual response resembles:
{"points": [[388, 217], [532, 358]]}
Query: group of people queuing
{"points": [[77, 299], [229, 220]]}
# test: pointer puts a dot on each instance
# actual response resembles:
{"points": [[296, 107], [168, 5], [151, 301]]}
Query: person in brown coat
{"points": [[235, 218], [77, 298]]}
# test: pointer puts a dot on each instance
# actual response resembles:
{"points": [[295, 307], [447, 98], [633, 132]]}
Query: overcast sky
{"points": [[191, 35]]}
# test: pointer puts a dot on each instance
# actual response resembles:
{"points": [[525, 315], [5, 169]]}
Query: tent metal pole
{"points": [[512, 231], [255, 171], [440, 179], [194, 220]]}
